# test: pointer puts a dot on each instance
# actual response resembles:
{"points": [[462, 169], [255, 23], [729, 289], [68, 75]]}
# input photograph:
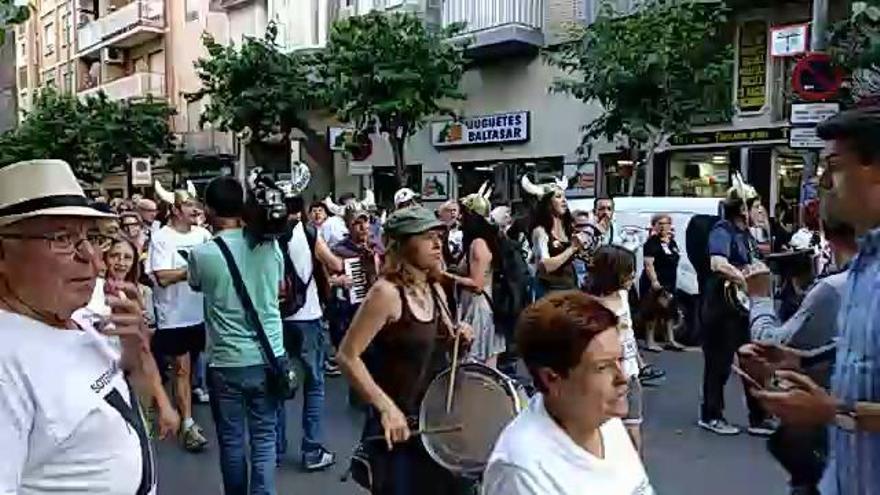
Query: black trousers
{"points": [[724, 331]]}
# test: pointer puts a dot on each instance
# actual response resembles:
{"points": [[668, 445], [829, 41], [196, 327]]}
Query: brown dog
{"points": [[658, 312]]}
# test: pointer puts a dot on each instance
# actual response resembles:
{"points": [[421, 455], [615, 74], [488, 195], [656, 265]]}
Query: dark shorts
{"points": [[179, 341]]}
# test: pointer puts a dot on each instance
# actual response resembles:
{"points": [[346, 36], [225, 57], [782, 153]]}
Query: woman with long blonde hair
{"points": [[406, 322]]}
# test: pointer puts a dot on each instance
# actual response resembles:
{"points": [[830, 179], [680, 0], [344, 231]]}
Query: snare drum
{"points": [[485, 401]]}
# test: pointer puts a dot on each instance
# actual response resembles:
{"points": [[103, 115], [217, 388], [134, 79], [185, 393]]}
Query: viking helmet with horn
{"points": [[354, 209], [740, 189], [541, 190], [300, 176], [177, 197], [479, 202]]}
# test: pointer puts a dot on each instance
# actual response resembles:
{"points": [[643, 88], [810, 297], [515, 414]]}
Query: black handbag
{"points": [[280, 376]]}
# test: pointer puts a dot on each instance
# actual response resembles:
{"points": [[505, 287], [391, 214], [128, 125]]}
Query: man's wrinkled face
{"points": [[48, 264]]}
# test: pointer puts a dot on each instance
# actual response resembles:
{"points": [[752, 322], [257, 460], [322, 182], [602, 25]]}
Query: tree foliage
{"points": [[388, 72], [11, 12], [94, 135], [854, 43], [651, 70], [256, 86]]}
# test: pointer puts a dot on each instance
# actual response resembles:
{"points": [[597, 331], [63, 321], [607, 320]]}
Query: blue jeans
{"points": [[240, 402], [306, 340]]}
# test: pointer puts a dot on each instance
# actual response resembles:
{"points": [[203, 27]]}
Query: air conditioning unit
{"points": [[113, 56]]}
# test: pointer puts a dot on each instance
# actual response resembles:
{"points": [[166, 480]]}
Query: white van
{"points": [[633, 215]]}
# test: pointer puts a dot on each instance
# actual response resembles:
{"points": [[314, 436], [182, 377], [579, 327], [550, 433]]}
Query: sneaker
{"points": [[649, 375], [763, 429], [322, 459], [201, 395], [331, 368], [719, 426], [193, 438]]}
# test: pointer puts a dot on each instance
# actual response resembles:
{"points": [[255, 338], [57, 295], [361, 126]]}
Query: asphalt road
{"points": [[681, 458]]}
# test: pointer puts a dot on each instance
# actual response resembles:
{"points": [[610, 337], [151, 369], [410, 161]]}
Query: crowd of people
{"points": [[118, 315]]}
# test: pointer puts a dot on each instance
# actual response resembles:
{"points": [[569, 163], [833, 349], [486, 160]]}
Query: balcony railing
{"points": [[148, 13], [480, 15], [138, 85], [207, 142]]}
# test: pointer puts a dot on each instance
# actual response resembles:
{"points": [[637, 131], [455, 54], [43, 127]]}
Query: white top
{"points": [[333, 230], [176, 305], [301, 257], [619, 304], [534, 456], [57, 432]]}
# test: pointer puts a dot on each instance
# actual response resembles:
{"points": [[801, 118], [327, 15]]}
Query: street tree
{"points": [[12, 12], [94, 135], [388, 73], [651, 69], [256, 89], [854, 42]]}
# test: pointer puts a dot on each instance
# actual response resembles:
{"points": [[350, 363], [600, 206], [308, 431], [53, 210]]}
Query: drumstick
{"points": [[426, 431], [451, 390]]}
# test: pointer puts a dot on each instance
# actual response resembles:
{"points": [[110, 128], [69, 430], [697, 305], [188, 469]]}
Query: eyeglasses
{"points": [[68, 243]]}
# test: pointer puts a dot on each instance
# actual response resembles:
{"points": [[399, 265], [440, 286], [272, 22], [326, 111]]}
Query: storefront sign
{"points": [[731, 137], [510, 127], [813, 113], [752, 67], [804, 137], [788, 41]]}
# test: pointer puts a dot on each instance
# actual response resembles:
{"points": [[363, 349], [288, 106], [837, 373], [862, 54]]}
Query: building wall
{"points": [[249, 19], [8, 93]]}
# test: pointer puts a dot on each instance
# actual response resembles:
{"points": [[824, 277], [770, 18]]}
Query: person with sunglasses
{"points": [[69, 414]]}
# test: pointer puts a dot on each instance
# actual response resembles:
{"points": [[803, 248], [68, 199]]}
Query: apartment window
{"points": [[21, 56], [192, 10], [49, 79], [68, 26], [67, 83], [193, 114], [49, 38]]}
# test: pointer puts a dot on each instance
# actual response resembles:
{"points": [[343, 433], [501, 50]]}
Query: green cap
{"points": [[411, 220]]}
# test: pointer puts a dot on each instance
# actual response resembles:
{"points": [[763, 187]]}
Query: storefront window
{"points": [[618, 171], [790, 166], [504, 176], [702, 174]]}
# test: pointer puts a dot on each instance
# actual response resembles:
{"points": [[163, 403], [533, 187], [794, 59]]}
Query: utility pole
{"points": [[819, 26]]}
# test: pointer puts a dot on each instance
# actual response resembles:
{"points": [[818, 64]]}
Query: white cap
{"points": [[404, 195]]}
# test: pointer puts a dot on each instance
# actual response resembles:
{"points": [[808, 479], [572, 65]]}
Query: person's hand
{"points": [[168, 422], [656, 286], [803, 404], [395, 426], [467, 333], [126, 319], [341, 281], [758, 283]]}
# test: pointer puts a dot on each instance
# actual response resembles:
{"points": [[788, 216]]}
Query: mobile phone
{"points": [[745, 376]]}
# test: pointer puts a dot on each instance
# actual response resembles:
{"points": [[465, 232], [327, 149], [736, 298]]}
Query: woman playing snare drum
{"points": [[405, 322]]}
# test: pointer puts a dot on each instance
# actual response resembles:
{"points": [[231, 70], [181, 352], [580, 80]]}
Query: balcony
{"points": [[131, 25], [207, 142], [135, 86], [498, 28]]}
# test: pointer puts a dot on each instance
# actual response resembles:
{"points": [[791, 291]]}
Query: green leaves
{"points": [[389, 72], [94, 135], [10, 14], [855, 45], [256, 86], [651, 70]]}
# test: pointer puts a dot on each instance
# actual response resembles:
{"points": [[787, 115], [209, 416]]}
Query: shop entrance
{"points": [[504, 176]]}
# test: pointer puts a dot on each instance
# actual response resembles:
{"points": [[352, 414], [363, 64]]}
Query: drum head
{"points": [[483, 404]]}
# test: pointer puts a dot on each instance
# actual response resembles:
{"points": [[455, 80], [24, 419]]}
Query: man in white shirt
{"points": [[570, 439], [180, 319], [304, 334], [69, 420]]}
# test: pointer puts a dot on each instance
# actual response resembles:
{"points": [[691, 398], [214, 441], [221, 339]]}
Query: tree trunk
{"points": [[634, 178], [397, 145]]}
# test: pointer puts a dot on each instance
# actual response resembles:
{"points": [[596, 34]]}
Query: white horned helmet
{"points": [[354, 209], [740, 189], [300, 176], [541, 190], [177, 197], [479, 202]]}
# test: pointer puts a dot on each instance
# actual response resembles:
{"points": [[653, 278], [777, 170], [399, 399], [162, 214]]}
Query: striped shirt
{"points": [[854, 463]]}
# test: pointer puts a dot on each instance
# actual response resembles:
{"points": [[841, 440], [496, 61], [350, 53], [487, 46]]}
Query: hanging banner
{"points": [[751, 90]]}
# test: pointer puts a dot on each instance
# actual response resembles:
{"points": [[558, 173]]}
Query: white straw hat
{"points": [[40, 188]]}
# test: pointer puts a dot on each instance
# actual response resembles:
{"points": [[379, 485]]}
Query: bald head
{"points": [[147, 209]]}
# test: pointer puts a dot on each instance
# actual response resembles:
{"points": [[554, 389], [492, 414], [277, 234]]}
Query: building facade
{"points": [[8, 93]]}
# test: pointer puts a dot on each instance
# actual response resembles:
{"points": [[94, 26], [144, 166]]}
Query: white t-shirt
{"points": [[301, 257], [58, 434], [176, 305], [333, 230], [534, 456], [619, 304]]}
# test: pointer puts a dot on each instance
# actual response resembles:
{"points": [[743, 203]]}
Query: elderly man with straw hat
{"points": [[69, 420]]}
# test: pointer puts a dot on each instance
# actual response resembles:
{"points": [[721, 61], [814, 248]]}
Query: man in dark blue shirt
{"points": [[726, 327]]}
